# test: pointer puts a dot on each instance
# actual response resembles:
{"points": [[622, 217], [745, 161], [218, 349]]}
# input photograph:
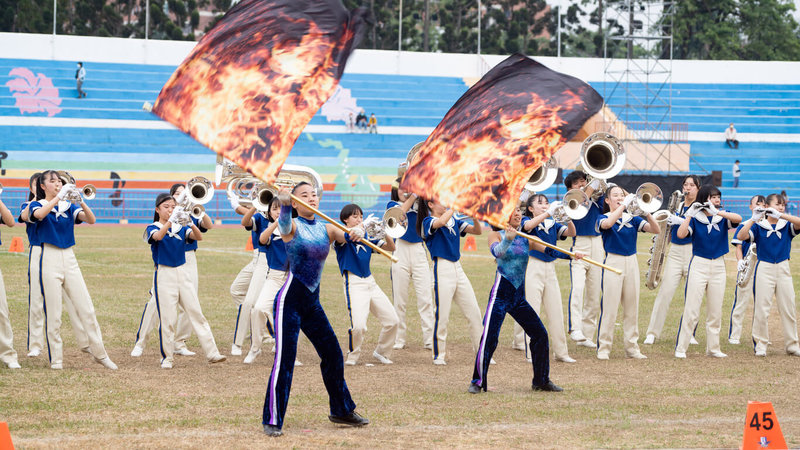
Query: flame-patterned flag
{"points": [[498, 133], [257, 78]]}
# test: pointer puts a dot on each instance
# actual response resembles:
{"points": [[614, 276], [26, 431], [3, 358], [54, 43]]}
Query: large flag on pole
{"points": [[257, 78], [497, 134]]}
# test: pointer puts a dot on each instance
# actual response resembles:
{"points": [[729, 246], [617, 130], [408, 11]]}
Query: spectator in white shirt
{"points": [[730, 137], [736, 173]]}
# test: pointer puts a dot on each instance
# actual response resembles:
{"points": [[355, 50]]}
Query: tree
{"points": [[706, 29], [768, 30]]}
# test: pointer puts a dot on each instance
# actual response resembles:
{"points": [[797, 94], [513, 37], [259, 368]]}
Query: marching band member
{"points": [[412, 265], [257, 222], [584, 294], [541, 282], [184, 327], [441, 231], [35, 341], [59, 271], [708, 227], [742, 295], [773, 235], [362, 293], [619, 241], [261, 320], [297, 308], [7, 353], [508, 296], [172, 282], [676, 265]]}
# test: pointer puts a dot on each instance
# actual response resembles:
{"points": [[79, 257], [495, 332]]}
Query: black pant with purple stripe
{"points": [[505, 298], [295, 309]]}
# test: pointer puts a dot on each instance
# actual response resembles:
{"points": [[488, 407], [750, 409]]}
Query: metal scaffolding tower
{"points": [[637, 88]]}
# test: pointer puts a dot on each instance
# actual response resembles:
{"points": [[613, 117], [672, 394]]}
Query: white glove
{"points": [[595, 184], [181, 197], [758, 214], [693, 210], [740, 265], [371, 217], [629, 199], [234, 202], [711, 208], [176, 215], [553, 207], [674, 220], [65, 190], [772, 212], [356, 233]]}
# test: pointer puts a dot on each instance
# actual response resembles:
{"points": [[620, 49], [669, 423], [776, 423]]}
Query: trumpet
{"points": [[574, 206], [87, 192], [648, 199]]}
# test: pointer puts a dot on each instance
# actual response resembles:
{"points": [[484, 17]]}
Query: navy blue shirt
{"points": [[586, 225], [709, 235], [735, 241], [444, 242], [354, 257], [277, 259], [260, 223], [549, 231], [774, 241], [620, 239], [171, 249], [58, 227], [411, 233], [30, 226], [674, 232], [191, 244]]}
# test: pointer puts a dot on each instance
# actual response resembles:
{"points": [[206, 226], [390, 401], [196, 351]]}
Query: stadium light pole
{"points": [[479, 27], [55, 11], [146, 19], [558, 15], [400, 29]]}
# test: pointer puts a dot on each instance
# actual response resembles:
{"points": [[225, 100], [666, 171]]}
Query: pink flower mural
{"points": [[33, 93]]}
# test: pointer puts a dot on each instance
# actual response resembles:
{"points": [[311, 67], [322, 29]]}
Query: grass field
{"points": [[658, 402]]}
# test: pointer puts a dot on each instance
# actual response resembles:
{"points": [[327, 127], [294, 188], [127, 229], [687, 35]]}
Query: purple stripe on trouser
{"points": [[486, 318], [279, 299]]}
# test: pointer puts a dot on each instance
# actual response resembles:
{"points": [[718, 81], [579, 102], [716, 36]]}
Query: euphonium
{"points": [[658, 251], [648, 199], [602, 157], [574, 206], [544, 176], [746, 274]]}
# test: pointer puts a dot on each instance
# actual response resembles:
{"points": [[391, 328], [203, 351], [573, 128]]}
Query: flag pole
{"points": [[339, 226]]}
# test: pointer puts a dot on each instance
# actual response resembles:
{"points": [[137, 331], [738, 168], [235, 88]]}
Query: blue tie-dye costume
{"points": [[296, 308], [508, 296]]}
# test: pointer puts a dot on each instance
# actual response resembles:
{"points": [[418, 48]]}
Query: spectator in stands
{"points": [[361, 120], [730, 137], [373, 124], [736, 173], [351, 125], [80, 75]]}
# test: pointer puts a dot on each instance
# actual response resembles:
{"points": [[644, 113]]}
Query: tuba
{"points": [[746, 274], [658, 251], [87, 192], [602, 157], [648, 199]]}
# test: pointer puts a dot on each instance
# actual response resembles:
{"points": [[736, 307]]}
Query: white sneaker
{"points": [[439, 362], [381, 358], [86, 350], [398, 346], [602, 356], [587, 343], [349, 362], [566, 359], [717, 354], [217, 359], [183, 351], [761, 353], [34, 353], [107, 363], [273, 348], [56, 366], [251, 356], [236, 350], [137, 351], [14, 365], [297, 363], [577, 336], [693, 341], [680, 355], [733, 341], [492, 361], [793, 353], [428, 346], [637, 356], [649, 339], [530, 360], [166, 364]]}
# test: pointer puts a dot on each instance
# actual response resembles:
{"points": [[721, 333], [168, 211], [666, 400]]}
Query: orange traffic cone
{"points": [[5, 437], [16, 245], [469, 244], [249, 245], [761, 429]]}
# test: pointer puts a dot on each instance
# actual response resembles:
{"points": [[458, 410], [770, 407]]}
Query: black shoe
{"points": [[548, 387], [352, 419], [272, 431], [474, 388]]}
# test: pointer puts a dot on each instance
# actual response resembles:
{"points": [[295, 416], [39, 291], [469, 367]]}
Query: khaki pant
{"points": [[743, 297], [363, 296], [412, 265], [620, 289], [261, 315], [543, 293], [172, 286], [36, 308], [257, 279], [676, 266], [7, 353], [241, 283], [584, 296], [706, 276], [61, 274], [774, 279], [451, 285]]}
